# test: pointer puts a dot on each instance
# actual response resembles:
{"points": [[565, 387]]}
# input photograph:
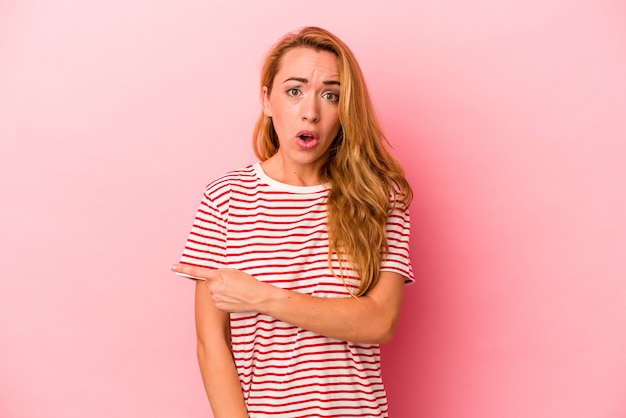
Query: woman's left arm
{"points": [[371, 318]]}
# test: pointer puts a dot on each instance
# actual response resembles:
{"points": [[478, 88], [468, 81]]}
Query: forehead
{"points": [[302, 61]]}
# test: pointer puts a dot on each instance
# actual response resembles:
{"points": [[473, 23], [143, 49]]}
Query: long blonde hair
{"points": [[366, 181]]}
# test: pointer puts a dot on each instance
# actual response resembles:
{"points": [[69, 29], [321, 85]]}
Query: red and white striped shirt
{"points": [[277, 233]]}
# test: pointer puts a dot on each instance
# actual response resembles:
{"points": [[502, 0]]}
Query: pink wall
{"points": [[508, 116]]}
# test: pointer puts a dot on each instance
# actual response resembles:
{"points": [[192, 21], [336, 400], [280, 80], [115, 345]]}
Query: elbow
{"points": [[385, 338], [207, 350], [386, 335], [201, 352], [385, 331]]}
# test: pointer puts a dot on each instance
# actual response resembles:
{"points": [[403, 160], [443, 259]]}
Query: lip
{"points": [[307, 143], [312, 134]]}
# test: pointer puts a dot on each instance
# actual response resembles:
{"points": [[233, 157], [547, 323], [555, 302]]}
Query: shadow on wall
{"points": [[512, 137], [409, 367]]}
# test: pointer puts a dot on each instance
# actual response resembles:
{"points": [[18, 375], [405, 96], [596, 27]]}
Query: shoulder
{"points": [[400, 196], [240, 179]]}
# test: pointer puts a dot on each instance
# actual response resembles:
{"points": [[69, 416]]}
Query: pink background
{"points": [[510, 118]]}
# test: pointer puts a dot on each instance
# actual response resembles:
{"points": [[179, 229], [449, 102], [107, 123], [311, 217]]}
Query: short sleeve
{"points": [[206, 244], [398, 233]]}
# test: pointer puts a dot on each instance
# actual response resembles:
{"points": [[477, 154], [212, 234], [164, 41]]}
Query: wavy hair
{"points": [[366, 181]]}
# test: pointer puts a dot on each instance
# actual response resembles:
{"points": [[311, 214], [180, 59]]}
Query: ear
{"points": [[265, 100]]}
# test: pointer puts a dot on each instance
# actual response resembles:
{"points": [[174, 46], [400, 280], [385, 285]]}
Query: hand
{"points": [[232, 290]]}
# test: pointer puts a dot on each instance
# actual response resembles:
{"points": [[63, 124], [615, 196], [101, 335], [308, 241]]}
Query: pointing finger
{"points": [[194, 272]]}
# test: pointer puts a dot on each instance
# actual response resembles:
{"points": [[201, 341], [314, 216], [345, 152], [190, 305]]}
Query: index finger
{"points": [[194, 272]]}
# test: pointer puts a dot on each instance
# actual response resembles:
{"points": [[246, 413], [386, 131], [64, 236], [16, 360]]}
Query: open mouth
{"points": [[307, 139]]}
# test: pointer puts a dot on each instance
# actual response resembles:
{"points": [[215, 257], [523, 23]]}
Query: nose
{"points": [[310, 109]]}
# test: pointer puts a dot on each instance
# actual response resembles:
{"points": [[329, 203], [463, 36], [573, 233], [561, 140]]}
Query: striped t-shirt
{"points": [[277, 233]]}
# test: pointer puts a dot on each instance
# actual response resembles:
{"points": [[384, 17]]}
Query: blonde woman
{"points": [[303, 255]]}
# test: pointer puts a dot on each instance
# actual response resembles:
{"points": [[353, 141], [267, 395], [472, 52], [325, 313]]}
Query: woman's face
{"points": [[304, 107]]}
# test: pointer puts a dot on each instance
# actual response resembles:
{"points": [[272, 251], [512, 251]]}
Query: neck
{"points": [[294, 174]]}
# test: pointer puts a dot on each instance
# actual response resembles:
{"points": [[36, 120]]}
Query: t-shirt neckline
{"points": [[277, 185]]}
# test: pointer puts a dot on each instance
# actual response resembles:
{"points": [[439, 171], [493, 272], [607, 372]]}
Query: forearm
{"points": [[368, 319], [217, 366], [345, 319], [221, 381]]}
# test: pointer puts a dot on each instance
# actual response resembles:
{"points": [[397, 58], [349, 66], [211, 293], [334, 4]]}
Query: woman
{"points": [[304, 255]]}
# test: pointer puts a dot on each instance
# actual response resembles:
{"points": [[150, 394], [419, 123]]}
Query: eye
{"points": [[330, 96], [293, 92]]}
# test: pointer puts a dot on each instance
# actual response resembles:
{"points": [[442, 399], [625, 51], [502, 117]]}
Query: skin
{"points": [[219, 375], [304, 98], [371, 318]]}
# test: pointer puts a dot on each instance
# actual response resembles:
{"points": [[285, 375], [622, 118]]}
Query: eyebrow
{"points": [[304, 80]]}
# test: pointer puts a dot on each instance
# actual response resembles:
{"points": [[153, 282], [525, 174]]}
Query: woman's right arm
{"points": [[217, 366]]}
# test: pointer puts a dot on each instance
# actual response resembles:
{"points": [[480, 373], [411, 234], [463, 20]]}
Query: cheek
{"points": [[330, 113], [283, 111], [281, 119], [334, 118]]}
